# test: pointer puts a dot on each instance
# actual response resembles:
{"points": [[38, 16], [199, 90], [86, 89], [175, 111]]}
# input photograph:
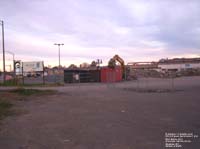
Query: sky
{"points": [[137, 30]]}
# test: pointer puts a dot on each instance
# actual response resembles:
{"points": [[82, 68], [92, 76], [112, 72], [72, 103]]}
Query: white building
{"points": [[179, 64]]}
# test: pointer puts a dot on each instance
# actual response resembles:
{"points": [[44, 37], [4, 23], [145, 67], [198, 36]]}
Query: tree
{"points": [[72, 66], [93, 64], [84, 65]]}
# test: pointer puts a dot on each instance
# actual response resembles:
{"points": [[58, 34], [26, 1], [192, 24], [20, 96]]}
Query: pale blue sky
{"points": [[137, 30]]}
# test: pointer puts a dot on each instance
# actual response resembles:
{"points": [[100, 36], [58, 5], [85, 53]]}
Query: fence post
{"points": [[22, 73], [43, 74], [172, 80]]}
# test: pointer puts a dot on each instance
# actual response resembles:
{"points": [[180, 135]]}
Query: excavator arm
{"points": [[112, 62], [120, 60]]}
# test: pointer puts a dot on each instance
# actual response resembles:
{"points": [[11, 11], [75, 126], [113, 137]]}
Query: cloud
{"points": [[99, 29]]}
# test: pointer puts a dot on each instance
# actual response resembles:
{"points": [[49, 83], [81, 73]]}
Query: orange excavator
{"points": [[112, 63]]}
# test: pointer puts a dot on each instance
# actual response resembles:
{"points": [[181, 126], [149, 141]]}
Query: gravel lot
{"points": [[127, 115]]}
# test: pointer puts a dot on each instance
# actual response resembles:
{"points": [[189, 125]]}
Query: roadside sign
{"points": [[32, 66]]}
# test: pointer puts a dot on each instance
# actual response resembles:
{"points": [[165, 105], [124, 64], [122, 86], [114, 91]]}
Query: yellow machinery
{"points": [[112, 63]]}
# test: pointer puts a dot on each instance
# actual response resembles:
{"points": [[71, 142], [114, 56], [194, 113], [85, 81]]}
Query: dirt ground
{"points": [[127, 115]]}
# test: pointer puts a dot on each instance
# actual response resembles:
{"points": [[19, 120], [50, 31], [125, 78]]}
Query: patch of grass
{"points": [[12, 82], [28, 92], [4, 108]]}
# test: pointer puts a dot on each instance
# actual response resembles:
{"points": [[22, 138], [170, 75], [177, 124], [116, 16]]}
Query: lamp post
{"points": [[59, 44], [3, 47]]}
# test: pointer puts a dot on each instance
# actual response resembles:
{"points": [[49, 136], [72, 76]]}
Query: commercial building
{"points": [[178, 64]]}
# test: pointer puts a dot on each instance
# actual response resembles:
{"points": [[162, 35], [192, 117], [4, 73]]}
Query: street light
{"points": [[3, 47], [59, 44]]}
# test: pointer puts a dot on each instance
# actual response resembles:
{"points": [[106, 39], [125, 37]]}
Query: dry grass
{"points": [[9, 98]]}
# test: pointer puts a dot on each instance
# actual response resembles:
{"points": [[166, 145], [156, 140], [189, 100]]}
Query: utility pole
{"points": [[59, 44], [3, 47]]}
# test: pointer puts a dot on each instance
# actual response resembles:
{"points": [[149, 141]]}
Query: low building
{"points": [[179, 64]]}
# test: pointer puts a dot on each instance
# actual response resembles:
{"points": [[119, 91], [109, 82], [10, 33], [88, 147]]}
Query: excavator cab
{"points": [[112, 64]]}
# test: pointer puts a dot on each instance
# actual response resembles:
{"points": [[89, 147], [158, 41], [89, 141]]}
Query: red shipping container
{"points": [[111, 75]]}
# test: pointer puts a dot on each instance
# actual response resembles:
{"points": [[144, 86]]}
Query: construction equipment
{"points": [[112, 63]]}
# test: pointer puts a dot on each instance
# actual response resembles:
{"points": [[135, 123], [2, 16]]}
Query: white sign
{"points": [[32, 66]]}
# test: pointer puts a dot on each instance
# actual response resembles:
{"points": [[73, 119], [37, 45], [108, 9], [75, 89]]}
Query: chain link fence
{"points": [[36, 78]]}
